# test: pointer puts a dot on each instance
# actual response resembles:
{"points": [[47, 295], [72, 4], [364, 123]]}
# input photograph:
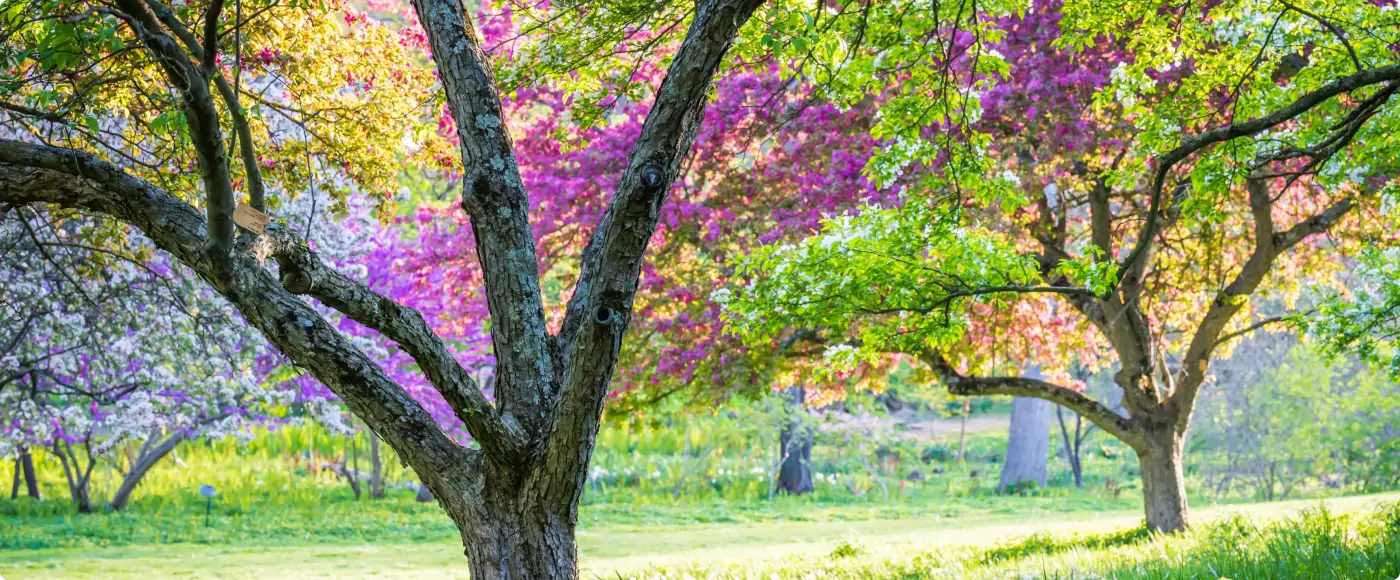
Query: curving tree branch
{"points": [[74, 179], [1123, 428], [1192, 145], [600, 309], [304, 273]]}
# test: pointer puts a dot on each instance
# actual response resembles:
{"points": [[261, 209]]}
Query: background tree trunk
{"points": [[25, 464], [795, 445], [425, 495], [962, 430], [1164, 483], [77, 475], [350, 465], [141, 467], [1072, 445], [1028, 444], [376, 476]]}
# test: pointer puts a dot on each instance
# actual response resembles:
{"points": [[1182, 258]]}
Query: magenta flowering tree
{"points": [[798, 162]]}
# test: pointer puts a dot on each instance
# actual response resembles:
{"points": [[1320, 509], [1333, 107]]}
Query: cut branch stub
{"points": [[652, 177], [603, 315], [296, 281]]}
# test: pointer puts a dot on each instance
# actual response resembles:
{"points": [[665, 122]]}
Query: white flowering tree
{"points": [[110, 351]]}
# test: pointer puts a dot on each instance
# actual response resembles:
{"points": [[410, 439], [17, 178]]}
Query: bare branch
{"points": [[1251, 328], [32, 112], [1337, 32]]}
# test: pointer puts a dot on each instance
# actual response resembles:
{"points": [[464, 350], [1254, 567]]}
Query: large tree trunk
{"points": [[1028, 444], [510, 537], [516, 497], [795, 445], [1164, 483], [148, 459]]}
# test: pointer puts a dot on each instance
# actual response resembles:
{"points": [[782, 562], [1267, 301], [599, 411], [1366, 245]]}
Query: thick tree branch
{"points": [[257, 192], [1167, 161], [203, 120], [211, 37], [304, 273], [494, 197], [1234, 297], [79, 180], [1101, 219], [1124, 428], [601, 306]]}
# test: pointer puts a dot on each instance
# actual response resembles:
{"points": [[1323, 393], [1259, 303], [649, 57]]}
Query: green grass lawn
{"points": [[914, 546]]}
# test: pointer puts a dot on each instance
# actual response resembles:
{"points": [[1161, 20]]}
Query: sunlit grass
{"points": [[1314, 544]]}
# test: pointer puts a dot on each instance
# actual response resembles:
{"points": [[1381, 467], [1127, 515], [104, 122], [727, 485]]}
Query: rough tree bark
{"points": [[795, 446], [1028, 444], [1163, 481], [515, 500]]}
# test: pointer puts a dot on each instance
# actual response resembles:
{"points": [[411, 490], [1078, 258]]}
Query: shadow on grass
{"points": [[1045, 544]]}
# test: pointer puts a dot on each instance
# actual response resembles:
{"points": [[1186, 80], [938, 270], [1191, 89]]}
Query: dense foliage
{"points": [[491, 226]]}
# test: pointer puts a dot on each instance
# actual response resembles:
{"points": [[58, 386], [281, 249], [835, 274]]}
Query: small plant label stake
{"points": [[250, 219], [208, 492]]}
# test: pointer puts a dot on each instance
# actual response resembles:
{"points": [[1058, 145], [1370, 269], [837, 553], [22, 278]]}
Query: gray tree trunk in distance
{"points": [[24, 464], [795, 445], [1028, 444], [376, 478], [425, 494]]}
